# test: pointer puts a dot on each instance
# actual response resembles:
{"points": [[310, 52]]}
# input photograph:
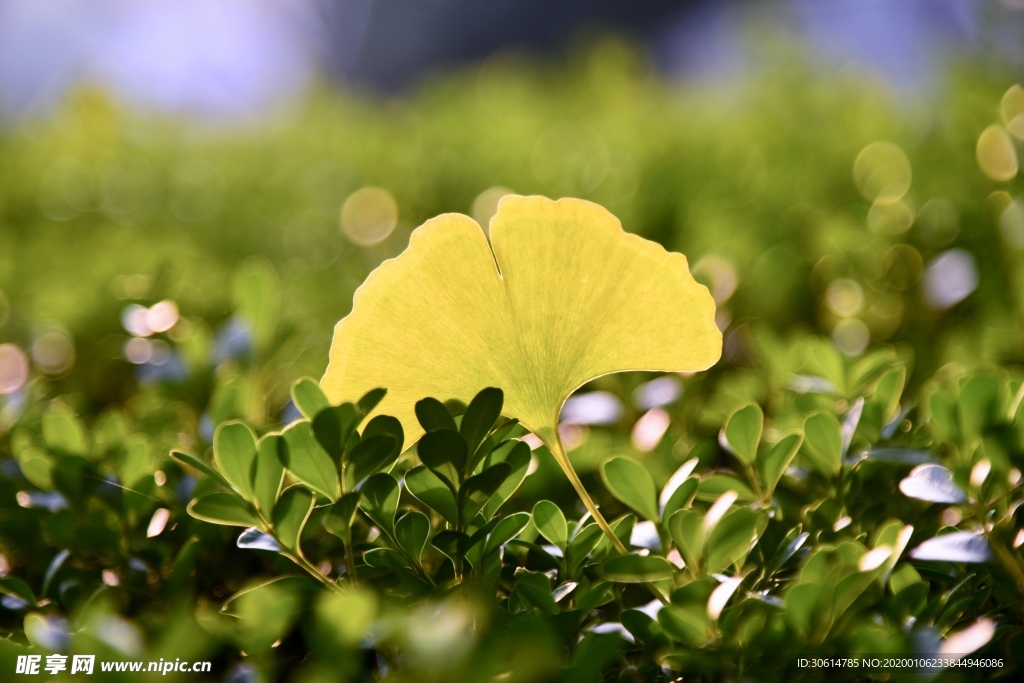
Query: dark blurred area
{"points": [[239, 58]]}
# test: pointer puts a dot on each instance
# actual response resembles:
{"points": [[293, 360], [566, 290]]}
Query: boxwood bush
{"points": [[845, 483]]}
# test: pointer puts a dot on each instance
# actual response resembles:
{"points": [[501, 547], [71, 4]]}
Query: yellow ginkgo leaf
{"points": [[560, 296]]}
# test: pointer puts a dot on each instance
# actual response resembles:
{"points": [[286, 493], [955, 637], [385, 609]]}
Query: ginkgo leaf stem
{"points": [[555, 446], [553, 441]]}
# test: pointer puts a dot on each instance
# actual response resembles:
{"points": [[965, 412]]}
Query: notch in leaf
{"points": [[561, 295]]}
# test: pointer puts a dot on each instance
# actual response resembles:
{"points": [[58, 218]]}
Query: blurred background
{"points": [[845, 170]]}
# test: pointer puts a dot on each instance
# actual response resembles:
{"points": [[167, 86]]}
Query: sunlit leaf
{"points": [[742, 432], [959, 546], [772, 463], [269, 475], [309, 398], [933, 483], [223, 507], [823, 443], [307, 461], [290, 515], [630, 482], [432, 492], [550, 522], [234, 451], [561, 295], [254, 539]]}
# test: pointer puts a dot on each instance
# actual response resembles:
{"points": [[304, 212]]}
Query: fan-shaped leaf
{"points": [[561, 295]]}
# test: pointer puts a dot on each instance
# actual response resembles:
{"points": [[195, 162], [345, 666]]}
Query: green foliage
{"points": [[806, 495]]}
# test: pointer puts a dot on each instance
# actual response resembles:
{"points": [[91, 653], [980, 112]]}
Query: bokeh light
{"points": [[649, 429], [950, 278], [890, 217], [53, 351], [851, 336], [486, 205], [1012, 110], [844, 297], [719, 274], [1011, 223], [996, 154], [14, 369], [882, 172], [658, 392], [369, 215], [592, 408]]}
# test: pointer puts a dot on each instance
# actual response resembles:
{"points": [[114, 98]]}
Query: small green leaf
{"points": [[686, 527], [195, 463], [380, 501], [550, 522], [430, 490], [479, 417], [269, 477], [742, 433], [731, 539], [341, 515], [631, 483], [433, 416], [411, 534], [290, 515], [681, 498], [823, 443], [581, 545], [308, 462], [532, 592], [63, 431], [386, 558], [345, 618], [687, 624], [506, 529], [453, 544], [223, 507], [369, 457], [37, 467], [712, 487], [636, 569], [309, 398], [772, 463], [19, 589], [478, 489], [234, 451], [331, 428], [518, 458], [370, 400], [889, 389], [378, 449], [445, 453], [645, 629]]}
